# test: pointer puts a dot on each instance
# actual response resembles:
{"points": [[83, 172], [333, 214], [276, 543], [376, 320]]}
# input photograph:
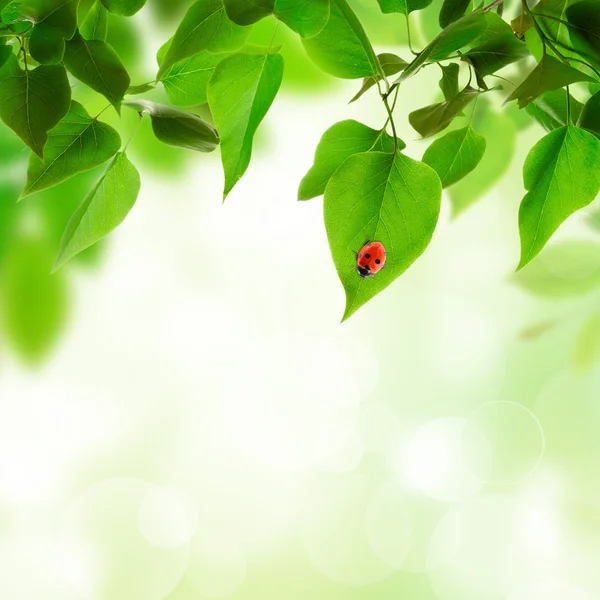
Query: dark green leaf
{"points": [[455, 155], [205, 26], [584, 20], [176, 127], [449, 81], [95, 25], [550, 110], [555, 29], [5, 54], [435, 118], [104, 209], [78, 143], [550, 74], [46, 45], [342, 48], [452, 10], [338, 143], [125, 8], [388, 198], [33, 102], [247, 12], [305, 18], [240, 93], [97, 65], [59, 14], [561, 176], [590, 115], [390, 64], [496, 54], [403, 6]]}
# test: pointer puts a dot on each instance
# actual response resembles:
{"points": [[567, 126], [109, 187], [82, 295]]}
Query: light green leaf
{"points": [[388, 198], [33, 101], [550, 110], [455, 155], [247, 12], [338, 143], [452, 10], [95, 25], [449, 81], [584, 26], [240, 93], [550, 74], [342, 48], [46, 45], [561, 176], [176, 127], [390, 64], [403, 6], [125, 8], [78, 143], [587, 345], [205, 26], [104, 209], [97, 65], [435, 118], [305, 18], [590, 115]]}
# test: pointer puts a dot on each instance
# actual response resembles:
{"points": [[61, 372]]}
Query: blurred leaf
{"points": [[125, 8], [390, 63], [33, 101], [403, 6], [205, 26], [455, 155], [240, 94], [590, 115], [550, 110], [78, 143], [104, 209], [560, 180], [176, 127], [452, 10], [587, 345], [562, 270], [550, 74], [389, 198], [537, 330], [449, 81], [305, 18], [97, 65], [338, 143], [95, 25], [342, 48], [134, 90], [46, 45], [247, 12]]}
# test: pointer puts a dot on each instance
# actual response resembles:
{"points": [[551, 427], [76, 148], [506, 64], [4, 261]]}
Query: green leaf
{"points": [[449, 81], [342, 48], [125, 8], [554, 8], [584, 20], [78, 143], [134, 90], [456, 36], [5, 54], [305, 18], [97, 65], [390, 64], [590, 115], [95, 25], [496, 54], [46, 45], [561, 176], [338, 143], [389, 198], [403, 6], [33, 101], [176, 127], [247, 12], [59, 14], [587, 345], [104, 209], [205, 26], [240, 93], [562, 270], [455, 155], [550, 74], [550, 110], [435, 118], [452, 10]]}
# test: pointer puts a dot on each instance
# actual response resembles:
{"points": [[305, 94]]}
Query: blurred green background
{"points": [[183, 417]]}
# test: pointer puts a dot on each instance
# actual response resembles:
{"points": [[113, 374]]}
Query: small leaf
{"points": [[240, 93], [550, 74], [247, 12], [455, 155], [390, 64], [590, 115], [403, 6], [33, 101], [587, 345], [388, 198], [342, 48], [550, 110], [95, 25], [104, 209], [176, 127], [134, 90], [521, 25], [125, 8], [452, 10], [305, 18], [435, 118], [561, 177], [78, 143], [97, 65], [205, 26], [46, 45], [338, 143], [449, 81]]}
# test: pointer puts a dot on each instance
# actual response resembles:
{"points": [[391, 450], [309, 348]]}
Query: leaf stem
{"points": [[409, 34], [386, 103], [141, 115], [568, 106], [493, 5]]}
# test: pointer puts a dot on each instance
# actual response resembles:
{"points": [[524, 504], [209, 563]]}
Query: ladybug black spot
{"points": [[367, 256], [377, 261], [367, 268]]}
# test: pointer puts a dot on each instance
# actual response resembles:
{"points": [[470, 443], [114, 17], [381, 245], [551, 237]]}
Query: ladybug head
{"points": [[365, 271]]}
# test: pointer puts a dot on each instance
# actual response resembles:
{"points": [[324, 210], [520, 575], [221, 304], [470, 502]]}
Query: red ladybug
{"points": [[370, 259]]}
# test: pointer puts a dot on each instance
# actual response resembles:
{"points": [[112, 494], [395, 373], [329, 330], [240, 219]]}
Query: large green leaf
{"points": [[435, 118], [59, 14], [78, 143], [452, 10], [338, 143], [584, 21], [33, 102], [403, 6], [342, 48], [549, 75], [496, 53], [46, 45], [176, 127], [561, 176], [550, 110], [305, 18], [95, 24], [240, 93], [590, 115], [390, 65], [104, 209], [455, 155], [556, 29], [247, 12], [449, 81], [388, 198], [125, 8], [5, 54], [97, 65]]}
